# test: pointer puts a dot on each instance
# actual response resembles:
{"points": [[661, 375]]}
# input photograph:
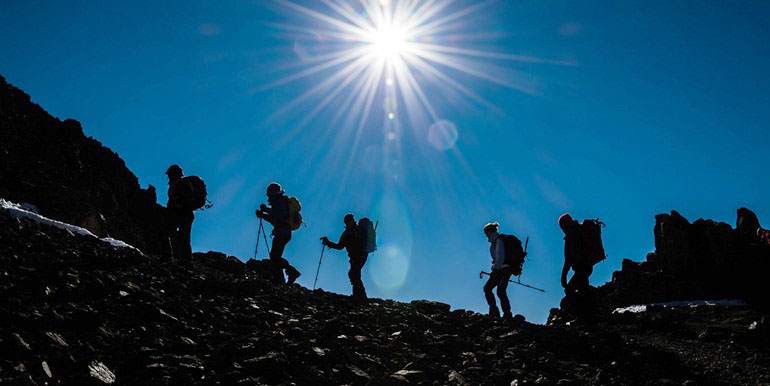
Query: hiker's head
{"points": [[174, 172], [491, 228], [273, 189], [350, 220], [565, 221]]}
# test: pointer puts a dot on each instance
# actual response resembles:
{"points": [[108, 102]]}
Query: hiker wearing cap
{"points": [[180, 215], [506, 261], [283, 215], [355, 241], [582, 249]]}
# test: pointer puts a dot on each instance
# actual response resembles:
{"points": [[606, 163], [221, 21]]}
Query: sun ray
{"points": [[345, 57], [323, 17]]}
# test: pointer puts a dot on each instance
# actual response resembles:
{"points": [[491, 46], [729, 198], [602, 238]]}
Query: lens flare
{"points": [[389, 269], [391, 262], [442, 135]]}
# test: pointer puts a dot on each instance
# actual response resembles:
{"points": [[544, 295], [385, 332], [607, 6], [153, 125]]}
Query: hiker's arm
{"points": [[564, 272], [332, 244]]}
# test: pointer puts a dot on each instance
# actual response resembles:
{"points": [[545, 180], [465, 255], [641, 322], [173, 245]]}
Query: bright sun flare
{"points": [[396, 61], [389, 41]]}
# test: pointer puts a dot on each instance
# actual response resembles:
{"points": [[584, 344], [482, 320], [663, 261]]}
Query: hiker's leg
{"points": [[492, 282], [361, 267], [173, 234], [354, 274], [572, 284], [580, 280], [277, 261], [502, 292], [585, 281], [185, 230]]}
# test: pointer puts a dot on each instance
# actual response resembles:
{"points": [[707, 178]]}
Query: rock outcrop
{"points": [[70, 177], [700, 260]]}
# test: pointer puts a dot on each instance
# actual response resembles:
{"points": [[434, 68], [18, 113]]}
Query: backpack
{"points": [[198, 192], [591, 237], [368, 234], [514, 253], [295, 218]]}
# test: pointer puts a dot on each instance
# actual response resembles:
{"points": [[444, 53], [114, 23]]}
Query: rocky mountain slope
{"points": [[77, 310]]}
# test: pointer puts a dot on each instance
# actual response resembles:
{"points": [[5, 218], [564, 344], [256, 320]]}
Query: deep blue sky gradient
{"points": [[664, 105]]}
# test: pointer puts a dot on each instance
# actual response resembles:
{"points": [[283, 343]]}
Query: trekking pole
{"points": [[521, 284], [319, 266], [259, 230], [264, 235]]}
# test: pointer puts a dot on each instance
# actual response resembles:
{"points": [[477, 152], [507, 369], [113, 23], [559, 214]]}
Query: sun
{"points": [[388, 41]]}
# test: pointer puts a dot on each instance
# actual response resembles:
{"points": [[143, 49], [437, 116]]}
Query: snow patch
{"points": [[637, 308], [632, 309], [26, 211]]}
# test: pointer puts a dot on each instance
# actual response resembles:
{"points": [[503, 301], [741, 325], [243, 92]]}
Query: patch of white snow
{"points": [[637, 308], [27, 211]]}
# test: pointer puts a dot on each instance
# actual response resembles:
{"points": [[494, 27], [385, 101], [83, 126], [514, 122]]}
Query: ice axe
{"points": [[482, 273]]}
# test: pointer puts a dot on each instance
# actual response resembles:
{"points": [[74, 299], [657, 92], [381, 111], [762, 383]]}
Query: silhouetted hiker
{"points": [[283, 215], [507, 256], [582, 249], [357, 239], [180, 213]]}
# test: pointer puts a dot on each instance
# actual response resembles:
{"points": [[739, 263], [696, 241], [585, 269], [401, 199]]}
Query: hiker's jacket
{"points": [[497, 251], [278, 214], [179, 195], [573, 247], [351, 241]]}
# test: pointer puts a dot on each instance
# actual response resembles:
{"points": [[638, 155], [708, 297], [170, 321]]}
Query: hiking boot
{"points": [[292, 274], [507, 316], [494, 312]]}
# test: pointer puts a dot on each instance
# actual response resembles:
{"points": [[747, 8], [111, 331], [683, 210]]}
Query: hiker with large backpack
{"points": [[283, 214], [358, 239], [582, 250], [507, 259], [185, 195]]}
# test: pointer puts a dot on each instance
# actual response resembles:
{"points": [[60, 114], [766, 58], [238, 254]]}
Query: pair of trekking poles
{"points": [[262, 231]]}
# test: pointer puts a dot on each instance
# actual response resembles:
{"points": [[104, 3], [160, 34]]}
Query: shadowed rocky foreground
{"points": [[76, 310]]}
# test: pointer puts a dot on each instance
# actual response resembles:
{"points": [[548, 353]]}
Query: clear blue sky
{"points": [[638, 108]]}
